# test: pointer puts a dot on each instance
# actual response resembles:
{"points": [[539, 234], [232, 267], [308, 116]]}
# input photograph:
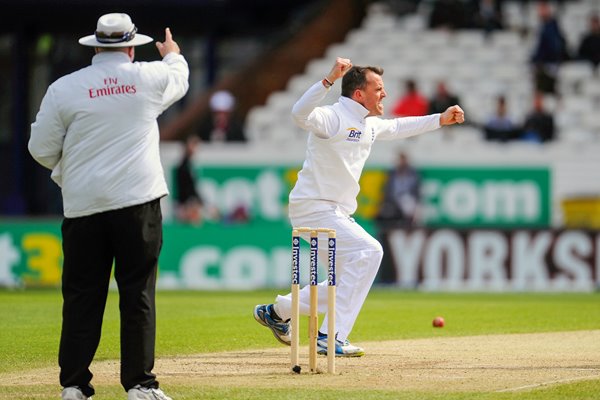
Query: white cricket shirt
{"points": [[97, 131], [339, 143]]}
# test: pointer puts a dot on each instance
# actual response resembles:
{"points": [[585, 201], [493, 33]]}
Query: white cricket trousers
{"points": [[358, 256]]}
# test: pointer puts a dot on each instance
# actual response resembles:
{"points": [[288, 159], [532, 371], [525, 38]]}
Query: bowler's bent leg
{"points": [[358, 256]]}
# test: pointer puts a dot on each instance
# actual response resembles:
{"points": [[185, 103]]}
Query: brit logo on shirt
{"points": [[353, 134]]}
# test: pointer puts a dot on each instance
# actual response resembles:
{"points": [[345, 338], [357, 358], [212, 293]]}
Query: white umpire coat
{"points": [[97, 131]]}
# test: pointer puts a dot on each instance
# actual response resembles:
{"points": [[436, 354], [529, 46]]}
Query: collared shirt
{"points": [[339, 143], [97, 131]]}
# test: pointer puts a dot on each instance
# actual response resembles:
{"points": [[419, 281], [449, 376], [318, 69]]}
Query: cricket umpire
{"points": [[97, 131]]}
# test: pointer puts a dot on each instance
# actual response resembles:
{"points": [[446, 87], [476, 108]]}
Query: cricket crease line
{"points": [[581, 378]]}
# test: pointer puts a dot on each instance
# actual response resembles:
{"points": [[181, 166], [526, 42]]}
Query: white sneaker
{"points": [[141, 393], [73, 393], [342, 349]]}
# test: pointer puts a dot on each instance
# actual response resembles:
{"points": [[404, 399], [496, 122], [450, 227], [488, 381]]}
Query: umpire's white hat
{"points": [[115, 30]]}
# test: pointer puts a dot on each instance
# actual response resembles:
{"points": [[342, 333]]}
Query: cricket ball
{"points": [[438, 322]]}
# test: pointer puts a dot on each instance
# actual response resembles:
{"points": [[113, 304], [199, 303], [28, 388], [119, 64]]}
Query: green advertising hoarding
{"points": [[30, 253], [210, 257], [486, 197], [451, 197], [239, 256], [227, 255]]}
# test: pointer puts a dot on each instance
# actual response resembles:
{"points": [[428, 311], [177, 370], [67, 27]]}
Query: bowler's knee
{"points": [[375, 251]]}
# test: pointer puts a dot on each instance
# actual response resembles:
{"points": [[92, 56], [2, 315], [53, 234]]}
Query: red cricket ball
{"points": [[438, 322]]}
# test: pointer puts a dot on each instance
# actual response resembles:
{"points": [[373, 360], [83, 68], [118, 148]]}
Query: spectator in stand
{"points": [[489, 15], [500, 127], [398, 210], [189, 201], [550, 50], [539, 123], [412, 103], [450, 14], [401, 195], [223, 123], [589, 48], [442, 99]]}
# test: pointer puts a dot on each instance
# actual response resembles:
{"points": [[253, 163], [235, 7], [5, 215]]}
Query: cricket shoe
{"points": [[74, 393], [141, 393], [342, 349], [263, 314]]}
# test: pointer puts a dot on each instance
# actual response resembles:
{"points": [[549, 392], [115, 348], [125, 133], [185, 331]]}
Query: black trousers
{"points": [[132, 238]]}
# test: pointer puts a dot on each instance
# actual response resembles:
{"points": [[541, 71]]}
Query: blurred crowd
{"points": [[550, 51]]}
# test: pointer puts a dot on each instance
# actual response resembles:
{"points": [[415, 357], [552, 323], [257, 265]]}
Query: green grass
{"points": [[191, 322], [393, 315], [587, 390]]}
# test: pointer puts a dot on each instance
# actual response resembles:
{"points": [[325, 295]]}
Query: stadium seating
{"points": [[476, 67]]}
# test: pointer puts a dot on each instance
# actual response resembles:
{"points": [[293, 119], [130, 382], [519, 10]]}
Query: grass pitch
{"points": [[190, 323]]}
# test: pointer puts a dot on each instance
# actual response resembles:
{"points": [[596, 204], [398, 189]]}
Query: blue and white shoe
{"points": [[342, 349], [263, 314]]}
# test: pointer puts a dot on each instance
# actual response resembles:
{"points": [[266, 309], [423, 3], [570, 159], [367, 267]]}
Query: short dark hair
{"points": [[356, 78]]}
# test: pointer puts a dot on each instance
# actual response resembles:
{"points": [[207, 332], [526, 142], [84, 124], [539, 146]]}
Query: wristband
{"points": [[327, 83]]}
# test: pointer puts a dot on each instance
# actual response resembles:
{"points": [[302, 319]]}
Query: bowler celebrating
{"points": [[340, 137]]}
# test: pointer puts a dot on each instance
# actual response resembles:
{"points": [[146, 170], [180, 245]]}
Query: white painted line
{"points": [[581, 378]]}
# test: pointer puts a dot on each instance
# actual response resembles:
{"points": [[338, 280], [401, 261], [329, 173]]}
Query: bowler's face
{"points": [[373, 94]]}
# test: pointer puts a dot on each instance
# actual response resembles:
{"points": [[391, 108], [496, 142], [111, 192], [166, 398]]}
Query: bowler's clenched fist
{"points": [[339, 69], [452, 115]]}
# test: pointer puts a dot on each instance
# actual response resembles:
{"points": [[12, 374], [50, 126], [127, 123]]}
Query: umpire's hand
{"points": [[168, 46]]}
